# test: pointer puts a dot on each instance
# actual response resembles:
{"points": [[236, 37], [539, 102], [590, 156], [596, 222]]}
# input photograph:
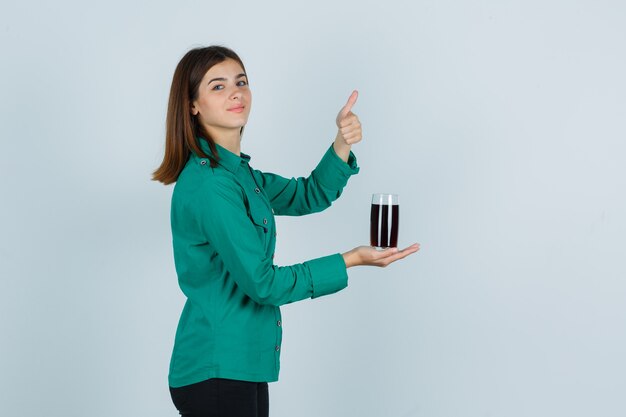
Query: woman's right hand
{"points": [[367, 255]]}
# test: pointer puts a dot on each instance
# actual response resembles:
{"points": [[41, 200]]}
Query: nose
{"points": [[236, 95]]}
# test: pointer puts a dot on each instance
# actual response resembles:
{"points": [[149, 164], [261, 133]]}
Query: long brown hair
{"points": [[181, 127]]}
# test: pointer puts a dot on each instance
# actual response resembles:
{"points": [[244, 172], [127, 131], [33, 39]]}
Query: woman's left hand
{"points": [[349, 126]]}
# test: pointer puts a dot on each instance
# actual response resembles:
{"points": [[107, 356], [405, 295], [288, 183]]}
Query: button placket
{"points": [[257, 189], [263, 222]]}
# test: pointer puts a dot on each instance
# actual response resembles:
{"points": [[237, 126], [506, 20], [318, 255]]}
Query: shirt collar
{"points": [[228, 160]]}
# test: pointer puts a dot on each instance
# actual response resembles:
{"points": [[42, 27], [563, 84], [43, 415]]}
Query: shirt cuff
{"points": [[328, 274], [333, 172]]}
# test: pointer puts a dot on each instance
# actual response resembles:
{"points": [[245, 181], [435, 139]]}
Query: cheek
{"points": [[248, 100], [209, 108]]}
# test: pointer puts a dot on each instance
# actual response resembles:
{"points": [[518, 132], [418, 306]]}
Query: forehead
{"points": [[227, 68]]}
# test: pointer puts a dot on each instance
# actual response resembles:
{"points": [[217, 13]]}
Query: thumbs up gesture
{"points": [[349, 126]]}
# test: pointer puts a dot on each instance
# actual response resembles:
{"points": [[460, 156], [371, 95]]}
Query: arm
{"points": [[223, 221], [297, 197], [317, 192]]}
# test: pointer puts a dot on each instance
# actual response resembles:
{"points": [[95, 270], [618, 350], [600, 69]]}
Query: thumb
{"points": [[346, 109]]}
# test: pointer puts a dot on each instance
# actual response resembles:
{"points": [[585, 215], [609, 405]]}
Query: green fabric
{"points": [[224, 237]]}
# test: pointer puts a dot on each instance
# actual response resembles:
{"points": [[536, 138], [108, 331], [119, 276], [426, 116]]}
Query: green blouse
{"points": [[224, 236]]}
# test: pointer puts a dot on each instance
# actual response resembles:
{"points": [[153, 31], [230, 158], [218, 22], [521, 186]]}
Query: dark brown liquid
{"points": [[383, 226]]}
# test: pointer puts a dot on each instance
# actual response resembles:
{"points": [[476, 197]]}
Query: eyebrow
{"points": [[224, 79]]}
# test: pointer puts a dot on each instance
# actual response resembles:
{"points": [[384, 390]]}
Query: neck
{"points": [[226, 138]]}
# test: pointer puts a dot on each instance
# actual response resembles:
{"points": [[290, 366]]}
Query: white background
{"points": [[500, 124]]}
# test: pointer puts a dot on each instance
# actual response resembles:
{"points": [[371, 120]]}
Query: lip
{"points": [[238, 109]]}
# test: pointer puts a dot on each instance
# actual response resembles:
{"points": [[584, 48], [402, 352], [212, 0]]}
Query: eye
{"points": [[242, 83], [216, 87]]}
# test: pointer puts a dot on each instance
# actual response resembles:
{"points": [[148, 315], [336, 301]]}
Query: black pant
{"points": [[217, 397]]}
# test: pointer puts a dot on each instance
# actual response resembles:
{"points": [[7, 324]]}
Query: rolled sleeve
{"points": [[333, 172], [328, 274]]}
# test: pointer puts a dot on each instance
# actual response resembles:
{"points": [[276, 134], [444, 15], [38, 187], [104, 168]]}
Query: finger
{"points": [[396, 257], [402, 254], [351, 132], [407, 252], [351, 100], [415, 246], [349, 129], [352, 137], [350, 120]]}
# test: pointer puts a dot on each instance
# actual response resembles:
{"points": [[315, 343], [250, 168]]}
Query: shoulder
{"points": [[199, 182]]}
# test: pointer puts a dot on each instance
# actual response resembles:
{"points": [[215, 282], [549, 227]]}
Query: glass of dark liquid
{"points": [[384, 221]]}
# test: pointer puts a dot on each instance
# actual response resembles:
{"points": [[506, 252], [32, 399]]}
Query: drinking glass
{"points": [[384, 221]]}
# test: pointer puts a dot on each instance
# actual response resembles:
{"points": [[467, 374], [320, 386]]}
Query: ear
{"points": [[193, 109]]}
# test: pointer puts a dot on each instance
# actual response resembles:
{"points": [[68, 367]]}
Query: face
{"points": [[224, 99]]}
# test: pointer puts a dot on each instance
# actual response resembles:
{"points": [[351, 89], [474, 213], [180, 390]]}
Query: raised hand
{"points": [[348, 122], [349, 127]]}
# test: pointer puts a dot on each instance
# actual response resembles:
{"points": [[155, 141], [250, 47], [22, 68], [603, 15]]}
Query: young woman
{"points": [[228, 340]]}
